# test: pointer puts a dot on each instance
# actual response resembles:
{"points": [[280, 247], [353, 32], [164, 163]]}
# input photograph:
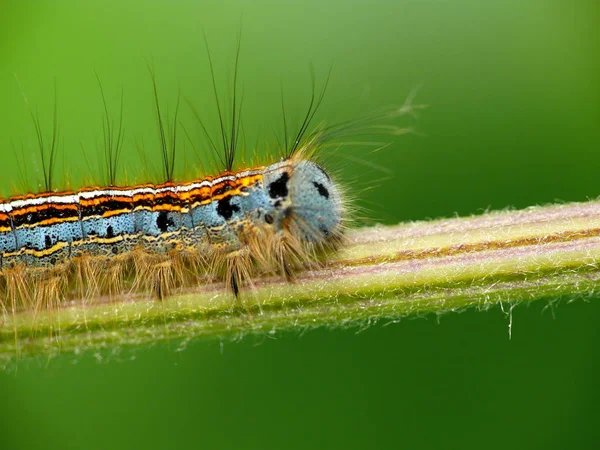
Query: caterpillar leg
{"points": [[239, 270], [234, 285]]}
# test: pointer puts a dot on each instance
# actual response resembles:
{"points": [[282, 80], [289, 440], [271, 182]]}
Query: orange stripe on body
{"points": [[205, 193]]}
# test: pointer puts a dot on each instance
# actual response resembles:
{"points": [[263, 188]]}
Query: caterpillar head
{"points": [[306, 203]]}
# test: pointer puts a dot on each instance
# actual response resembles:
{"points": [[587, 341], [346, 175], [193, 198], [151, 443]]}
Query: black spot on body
{"points": [[225, 209], [110, 232], [48, 241], [269, 218], [163, 221], [279, 188], [323, 192], [222, 190], [114, 250]]}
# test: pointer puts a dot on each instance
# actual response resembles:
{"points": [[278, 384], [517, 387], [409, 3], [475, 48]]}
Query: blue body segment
{"points": [[206, 216], [255, 204], [160, 222], [142, 220], [107, 227], [41, 237], [7, 242]]}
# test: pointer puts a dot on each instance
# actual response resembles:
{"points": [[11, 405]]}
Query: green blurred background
{"points": [[513, 120]]}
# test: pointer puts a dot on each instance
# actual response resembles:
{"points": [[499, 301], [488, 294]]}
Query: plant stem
{"points": [[384, 273]]}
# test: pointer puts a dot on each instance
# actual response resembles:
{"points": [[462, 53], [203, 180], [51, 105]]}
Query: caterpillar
{"points": [[232, 226], [156, 237], [282, 209]]}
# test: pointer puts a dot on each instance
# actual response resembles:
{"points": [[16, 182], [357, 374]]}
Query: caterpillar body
{"points": [[266, 218]]}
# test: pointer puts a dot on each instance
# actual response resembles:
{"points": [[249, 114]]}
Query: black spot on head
{"points": [[278, 188], [110, 232], [163, 221], [48, 241], [323, 192], [225, 209], [269, 219]]}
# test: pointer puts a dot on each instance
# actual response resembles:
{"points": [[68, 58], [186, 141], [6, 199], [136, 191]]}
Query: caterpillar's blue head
{"points": [[305, 202]]}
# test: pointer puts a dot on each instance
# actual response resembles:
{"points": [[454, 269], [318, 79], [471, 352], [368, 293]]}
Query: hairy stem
{"points": [[384, 273]]}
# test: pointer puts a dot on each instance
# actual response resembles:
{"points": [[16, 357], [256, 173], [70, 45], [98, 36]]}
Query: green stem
{"points": [[384, 273]]}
